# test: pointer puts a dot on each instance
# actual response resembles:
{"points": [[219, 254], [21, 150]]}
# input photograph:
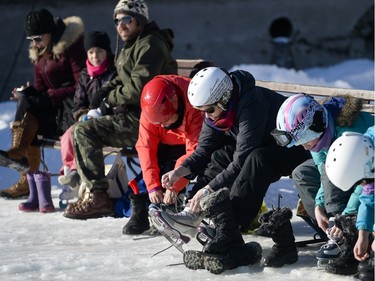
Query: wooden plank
{"points": [[316, 90]]}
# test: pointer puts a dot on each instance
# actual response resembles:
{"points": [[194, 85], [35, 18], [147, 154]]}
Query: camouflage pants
{"points": [[89, 139]]}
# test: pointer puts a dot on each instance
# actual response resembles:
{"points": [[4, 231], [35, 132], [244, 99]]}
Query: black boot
{"points": [[279, 228], [366, 269], [346, 264], [138, 221], [249, 253], [218, 207]]}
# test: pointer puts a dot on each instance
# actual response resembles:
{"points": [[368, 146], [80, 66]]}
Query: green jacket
{"points": [[139, 61]]}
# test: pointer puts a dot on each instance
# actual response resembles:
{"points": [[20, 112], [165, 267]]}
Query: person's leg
{"points": [[89, 139], [67, 150], [220, 160], [335, 200], [262, 167], [307, 181]]}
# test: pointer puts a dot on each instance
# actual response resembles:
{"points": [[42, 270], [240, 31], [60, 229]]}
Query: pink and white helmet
{"points": [[296, 116]]}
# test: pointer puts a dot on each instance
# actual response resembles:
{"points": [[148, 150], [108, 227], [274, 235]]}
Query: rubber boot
{"points": [[32, 203], [23, 134], [279, 228], [218, 207], [19, 190], [43, 185], [138, 221], [346, 264]]}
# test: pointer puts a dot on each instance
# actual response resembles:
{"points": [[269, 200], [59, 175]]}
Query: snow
{"points": [[37, 246]]}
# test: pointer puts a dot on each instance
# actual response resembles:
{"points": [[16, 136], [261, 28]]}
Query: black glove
{"points": [[105, 108], [97, 98]]}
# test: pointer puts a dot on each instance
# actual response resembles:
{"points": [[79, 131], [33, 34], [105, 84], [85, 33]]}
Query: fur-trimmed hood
{"points": [[74, 29], [349, 111]]}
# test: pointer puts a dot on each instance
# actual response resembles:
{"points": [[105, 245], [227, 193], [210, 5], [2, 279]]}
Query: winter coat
{"points": [[255, 119], [365, 216], [349, 119], [139, 61], [87, 86], [150, 135], [58, 74]]}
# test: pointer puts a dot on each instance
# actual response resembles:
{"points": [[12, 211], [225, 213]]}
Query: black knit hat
{"points": [[98, 39], [39, 22]]}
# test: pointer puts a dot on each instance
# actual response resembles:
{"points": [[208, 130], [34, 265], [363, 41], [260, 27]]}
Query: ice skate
{"points": [[178, 228], [70, 187], [331, 250]]}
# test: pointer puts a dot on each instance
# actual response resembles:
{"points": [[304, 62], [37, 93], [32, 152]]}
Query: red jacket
{"points": [[150, 135]]}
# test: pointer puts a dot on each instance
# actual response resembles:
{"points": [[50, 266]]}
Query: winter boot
{"points": [[366, 269], [218, 207], [93, 204], [240, 255], [43, 185], [23, 133], [138, 221], [18, 190], [346, 264], [32, 203], [279, 228]]}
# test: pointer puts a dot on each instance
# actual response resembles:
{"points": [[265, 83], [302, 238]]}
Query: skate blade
{"points": [[13, 164], [170, 234]]}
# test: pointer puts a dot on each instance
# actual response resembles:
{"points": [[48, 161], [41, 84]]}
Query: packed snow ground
{"points": [[36, 246]]}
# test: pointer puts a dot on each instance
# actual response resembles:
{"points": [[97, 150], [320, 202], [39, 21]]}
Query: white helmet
{"points": [[209, 86], [350, 159]]}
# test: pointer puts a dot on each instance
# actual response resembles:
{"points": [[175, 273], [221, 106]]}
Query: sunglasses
{"points": [[37, 38], [210, 110], [123, 20]]}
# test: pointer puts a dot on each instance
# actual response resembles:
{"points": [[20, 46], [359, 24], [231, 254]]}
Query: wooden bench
{"points": [[186, 67], [320, 92]]}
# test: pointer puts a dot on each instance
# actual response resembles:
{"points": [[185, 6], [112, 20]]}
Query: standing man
{"points": [[168, 134], [146, 53]]}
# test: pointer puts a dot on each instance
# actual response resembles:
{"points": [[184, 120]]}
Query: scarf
{"points": [[332, 108], [227, 117], [94, 71]]}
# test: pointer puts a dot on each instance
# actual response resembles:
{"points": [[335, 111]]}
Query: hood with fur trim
{"points": [[74, 30], [349, 111]]}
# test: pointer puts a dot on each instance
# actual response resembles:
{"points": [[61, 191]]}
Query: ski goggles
{"points": [[282, 138]]}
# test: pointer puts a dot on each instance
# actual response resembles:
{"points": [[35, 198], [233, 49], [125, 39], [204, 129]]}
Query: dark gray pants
{"points": [[308, 180]]}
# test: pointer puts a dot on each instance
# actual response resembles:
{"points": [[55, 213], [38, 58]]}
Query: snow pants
{"points": [[308, 180], [263, 166]]}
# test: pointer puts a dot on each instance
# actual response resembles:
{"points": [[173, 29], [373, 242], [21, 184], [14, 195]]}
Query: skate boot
{"points": [[240, 255], [346, 264], [276, 224], [366, 269], [331, 250], [70, 182], [218, 207], [177, 228]]}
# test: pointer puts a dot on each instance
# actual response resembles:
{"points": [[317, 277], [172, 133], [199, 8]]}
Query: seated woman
{"points": [[58, 56]]}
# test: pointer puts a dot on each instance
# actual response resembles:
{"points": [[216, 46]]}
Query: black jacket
{"points": [[255, 119]]}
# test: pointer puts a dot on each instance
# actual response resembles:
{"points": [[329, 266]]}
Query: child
{"points": [[99, 69], [350, 160]]}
